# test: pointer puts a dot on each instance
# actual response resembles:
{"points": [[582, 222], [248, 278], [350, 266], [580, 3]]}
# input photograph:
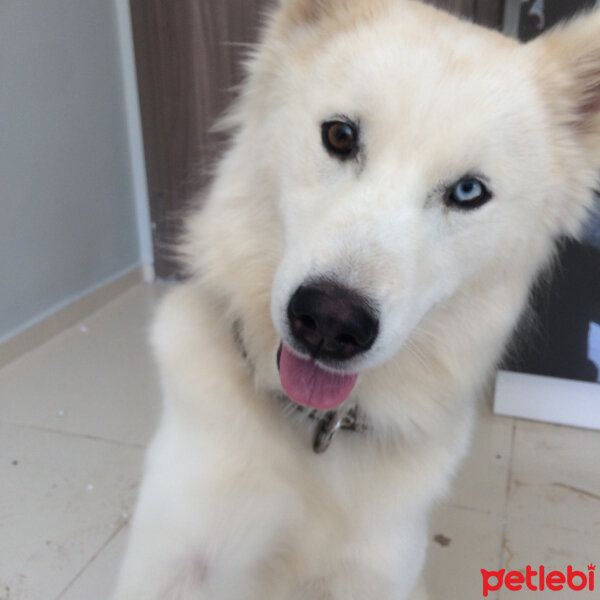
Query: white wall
{"points": [[71, 201]]}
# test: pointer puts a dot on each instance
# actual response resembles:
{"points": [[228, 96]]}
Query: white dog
{"points": [[396, 179]]}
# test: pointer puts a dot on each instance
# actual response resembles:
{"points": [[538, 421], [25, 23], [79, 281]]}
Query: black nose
{"points": [[331, 321]]}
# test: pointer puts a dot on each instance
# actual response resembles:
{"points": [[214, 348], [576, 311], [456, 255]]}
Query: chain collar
{"points": [[331, 423], [327, 424]]}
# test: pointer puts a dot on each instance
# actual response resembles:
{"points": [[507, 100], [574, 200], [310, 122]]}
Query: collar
{"points": [[327, 424], [331, 423]]}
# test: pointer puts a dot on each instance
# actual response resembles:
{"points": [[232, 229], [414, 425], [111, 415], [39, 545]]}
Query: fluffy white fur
{"points": [[234, 504]]}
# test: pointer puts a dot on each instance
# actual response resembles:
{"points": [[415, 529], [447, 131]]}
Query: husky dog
{"points": [[396, 180]]}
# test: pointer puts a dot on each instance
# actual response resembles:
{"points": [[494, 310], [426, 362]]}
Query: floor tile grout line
{"points": [[93, 558], [465, 508], [509, 474], [72, 434]]}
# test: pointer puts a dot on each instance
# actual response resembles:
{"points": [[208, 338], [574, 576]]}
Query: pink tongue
{"points": [[307, 384]]}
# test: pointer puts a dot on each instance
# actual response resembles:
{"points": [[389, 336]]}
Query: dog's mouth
{"points": [[307, 383]]}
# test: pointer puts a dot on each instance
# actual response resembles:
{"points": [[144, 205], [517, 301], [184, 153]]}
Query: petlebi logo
{"points": [[540, 580]]}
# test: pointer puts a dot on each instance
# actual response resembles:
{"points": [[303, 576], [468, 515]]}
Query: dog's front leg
{"points": [[359, 584], [201, 531], [164, 560], [384, 568], [213, 507]]}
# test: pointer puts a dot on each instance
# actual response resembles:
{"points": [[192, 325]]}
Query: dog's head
{"points": [[417, 166]]}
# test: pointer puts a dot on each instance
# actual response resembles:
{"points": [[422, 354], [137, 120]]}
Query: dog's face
{"points": [[416, 157], [395, 167], [405, 165]]}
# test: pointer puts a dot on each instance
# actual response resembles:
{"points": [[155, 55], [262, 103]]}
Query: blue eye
{"points": [[468, 193]]}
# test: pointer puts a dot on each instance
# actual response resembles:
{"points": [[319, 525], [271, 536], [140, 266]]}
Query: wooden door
{"points": [[187, 55]]}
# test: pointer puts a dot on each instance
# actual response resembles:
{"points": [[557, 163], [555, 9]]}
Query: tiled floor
{"points": [[76, 413]]}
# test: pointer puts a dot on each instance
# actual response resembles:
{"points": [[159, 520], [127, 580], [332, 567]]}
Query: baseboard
{"points": [[548, 399], [65, 317], [148, 273]]}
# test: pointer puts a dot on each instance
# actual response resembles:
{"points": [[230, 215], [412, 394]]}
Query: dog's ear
{"points": [[568, 60], [567, 69], [311, 12], [303, 11]]}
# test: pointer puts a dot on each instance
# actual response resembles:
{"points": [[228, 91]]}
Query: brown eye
{"points": [[340, 138]]}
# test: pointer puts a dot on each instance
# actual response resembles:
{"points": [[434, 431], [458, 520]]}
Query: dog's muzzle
{"points": [[328, 325], [331, 322]]}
